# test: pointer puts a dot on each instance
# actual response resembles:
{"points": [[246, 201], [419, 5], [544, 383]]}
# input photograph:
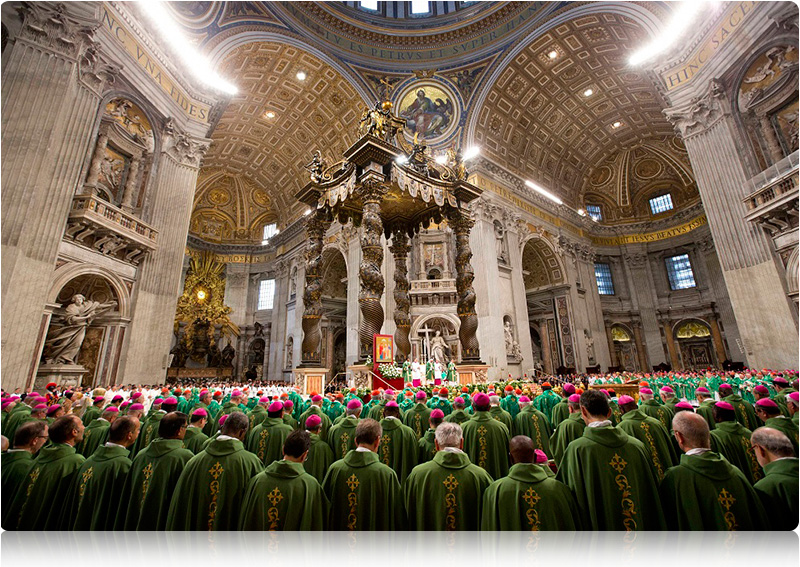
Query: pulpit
{"points": [[310, 379]]}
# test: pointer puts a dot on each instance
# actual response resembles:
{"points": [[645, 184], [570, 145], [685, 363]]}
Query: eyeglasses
{"points": [[42, 437]]}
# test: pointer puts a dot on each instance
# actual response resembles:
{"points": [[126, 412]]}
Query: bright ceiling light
{"points": [[616, 124], [472, 152], [301, 76], [270, 114], [588, 92], [441, 160], [171, 32], [308, 212], [581, 212], [553, 54], [401, 159], [544, 192], [685, 14]]}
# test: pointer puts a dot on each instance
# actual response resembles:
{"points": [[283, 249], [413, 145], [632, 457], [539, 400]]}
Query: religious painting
{"points": [[430, 110], [112, 168], [434, 255], [383, 349]]}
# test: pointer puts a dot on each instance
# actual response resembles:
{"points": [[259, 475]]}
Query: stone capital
{"points": [[701, 113], [49, 27], [182, 147]]}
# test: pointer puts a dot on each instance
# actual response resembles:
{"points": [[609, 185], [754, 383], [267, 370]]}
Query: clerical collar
{"points": [[603, 423], [17, 451], [224, 437], [392, 417], [363, 450], [452, 450], [102, 419], [698, 451], [110, 444]]}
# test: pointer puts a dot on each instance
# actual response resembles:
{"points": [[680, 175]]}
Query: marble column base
{"points": [[65, 375], [472, 373]]}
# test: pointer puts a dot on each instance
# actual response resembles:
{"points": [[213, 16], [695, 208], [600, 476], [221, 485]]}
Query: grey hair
{"points": [[694, 429], [668, 395], [353, 411], [494, 400], [449, 435], [388, 396], [646, 396], [773, 441]]}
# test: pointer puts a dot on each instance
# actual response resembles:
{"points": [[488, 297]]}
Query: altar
{"points": [[630, 388]]}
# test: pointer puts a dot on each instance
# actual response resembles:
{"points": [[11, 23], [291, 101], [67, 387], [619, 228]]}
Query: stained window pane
{"points": [[419, 7], [266, 294], [679, 272], [270, 230], [602, 273], [370, 5], [594, 212], [661, 204]]}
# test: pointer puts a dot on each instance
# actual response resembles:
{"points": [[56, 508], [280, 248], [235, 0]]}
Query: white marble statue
{"points": [[512, 346], [64, 343], [438, 348]]}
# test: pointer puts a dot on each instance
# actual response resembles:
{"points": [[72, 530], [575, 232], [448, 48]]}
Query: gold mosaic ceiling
{"points": [[255, 164], [536, 121]]}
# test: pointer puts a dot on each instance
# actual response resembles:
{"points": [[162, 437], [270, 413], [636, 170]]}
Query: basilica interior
{"points": [[614, 208]]}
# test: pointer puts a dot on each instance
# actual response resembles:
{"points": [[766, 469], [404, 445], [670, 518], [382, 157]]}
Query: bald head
{"points": [[691, 431], [522, 449], [770, 445]]}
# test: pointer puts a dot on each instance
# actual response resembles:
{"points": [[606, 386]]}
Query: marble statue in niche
{"points": [[512, 346], [500, 242], [439, 348], [589, 346], [63, 344]]}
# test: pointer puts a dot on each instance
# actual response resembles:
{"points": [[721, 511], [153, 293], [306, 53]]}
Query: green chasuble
{"points": [[92, 437], [534, 424], [616, 413], [145, 499], [17, 418], [148, 432], [257, 415], [779, 493], [445, 493], [486, 442], [732, 440], [326, 421], [458, 416], [209, 491], [290, 421], [745, 414], [529, 499], [786, 426], [566, 432], [418, 419], [511, 404], [342, 436], [96, 489], [284, 498], [16, 464], [376, 411], [364, 494], [706, 492], [655, 438], [266, 440], [545, 402], [39, 501], [427, 447], [193, 439], [502, 416], [653, 409], [320, 458], [92, 413], [399, 447], [560, 412], [706, 409], [613, 480]]}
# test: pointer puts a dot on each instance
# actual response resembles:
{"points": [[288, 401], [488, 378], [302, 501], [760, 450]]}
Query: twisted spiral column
{"points": [[461, 223], [402, 318], [369, 272], [312, 313]]}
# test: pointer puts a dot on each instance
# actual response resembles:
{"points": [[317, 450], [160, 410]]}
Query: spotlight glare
{"points": [[472, 152], [544, 192], [301, 76]]}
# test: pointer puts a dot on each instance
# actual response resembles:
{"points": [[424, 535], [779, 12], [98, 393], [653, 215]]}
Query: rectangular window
{"points": [[594, 212], [270, 230], [370, 5], [266, 294], [679, 272], [602, 273], [661, 204], [419, 7]]}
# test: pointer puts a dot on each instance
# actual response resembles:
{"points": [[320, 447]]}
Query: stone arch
{"points": [[69, 272], [683, 325], [420, 321], [334, 270], [792, 266], [539, 252]]}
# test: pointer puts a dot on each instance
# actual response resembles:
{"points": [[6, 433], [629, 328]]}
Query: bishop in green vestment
{"points": [[99, 482], [447, 492], [769, 413], [546, 401], [399, 445], [266, 440], [650, 432], [610, 474], [96, 432], [745, 414], [94, 411], [195, 436], [486, 439], [651, 407], [288, 408], [145, 498], [364, 494], [561, 409], [510, 403], [315, 408], [778, 490], [285, 497], [528, 498], [499, 413], [342, 436], [706, 492], [732, 440], [319, 455], [568, 430], [459, 414], [39, 502], [427, 445], [706, 407], [532, 423], [417, 417], [259, 412], [149, 428], [209, 491], [29, 439]]}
